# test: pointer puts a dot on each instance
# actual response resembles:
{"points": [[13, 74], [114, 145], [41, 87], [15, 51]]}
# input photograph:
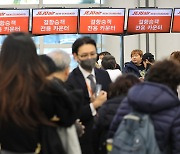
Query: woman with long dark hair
{"points": [[27, 99]]}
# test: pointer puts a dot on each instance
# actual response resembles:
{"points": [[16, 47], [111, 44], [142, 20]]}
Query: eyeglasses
{"points": [[86, 55]]}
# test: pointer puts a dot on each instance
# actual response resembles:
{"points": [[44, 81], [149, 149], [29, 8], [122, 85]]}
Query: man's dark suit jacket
{"points": [[76, 81]]}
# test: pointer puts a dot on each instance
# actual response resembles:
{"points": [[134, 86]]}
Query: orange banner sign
{"points": [[176, 21], [102, 21], [54, 21], [149, 20], [14, 21]]}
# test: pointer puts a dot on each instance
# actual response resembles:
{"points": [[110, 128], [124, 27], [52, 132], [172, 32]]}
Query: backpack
{"points": [[135, 135]]}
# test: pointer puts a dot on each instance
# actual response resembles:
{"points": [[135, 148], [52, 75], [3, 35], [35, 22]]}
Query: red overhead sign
{"points": [[176, 21], [54, 21], [103, 21], [149, 20], [14, 21]]}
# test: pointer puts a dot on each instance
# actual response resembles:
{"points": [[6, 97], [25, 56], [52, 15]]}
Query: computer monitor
{"points": [[54, 21], [176, 21], [101, 20], [149, 20], [14, 20]]}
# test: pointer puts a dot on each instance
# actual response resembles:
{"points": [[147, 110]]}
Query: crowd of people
{"points": [[84, 107]]}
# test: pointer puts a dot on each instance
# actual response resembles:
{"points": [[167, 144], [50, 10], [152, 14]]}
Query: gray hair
{"points": [[61, 59]]}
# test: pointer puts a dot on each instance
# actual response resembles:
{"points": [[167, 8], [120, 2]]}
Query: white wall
{"points": [[113, 43], [167, 43], [160, 44]]}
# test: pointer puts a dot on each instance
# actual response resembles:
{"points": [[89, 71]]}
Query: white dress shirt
{"points": [[86, 74]]}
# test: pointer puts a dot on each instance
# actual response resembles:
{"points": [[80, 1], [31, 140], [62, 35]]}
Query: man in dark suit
{"points": [[84, 52]]}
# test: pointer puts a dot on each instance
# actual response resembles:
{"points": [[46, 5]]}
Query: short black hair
{"points": [[104, 53], [149, 57], [81, 41], [48, 63]]}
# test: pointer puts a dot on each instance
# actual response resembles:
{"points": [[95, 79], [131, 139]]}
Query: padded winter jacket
{"points": [[130, 67], [164, 108]]}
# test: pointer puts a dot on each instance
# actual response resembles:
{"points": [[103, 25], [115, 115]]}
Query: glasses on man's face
{"points": [[87, 55]]}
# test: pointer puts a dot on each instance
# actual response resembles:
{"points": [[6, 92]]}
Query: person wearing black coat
{"points": [[84, 51], [117, 92], [158, 97]]}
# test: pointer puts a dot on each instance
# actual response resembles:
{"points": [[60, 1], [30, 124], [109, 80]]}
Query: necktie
{"points": [[92, 83]]}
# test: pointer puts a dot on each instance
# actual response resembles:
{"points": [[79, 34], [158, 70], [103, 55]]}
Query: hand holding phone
{"points": [[98, 89]]}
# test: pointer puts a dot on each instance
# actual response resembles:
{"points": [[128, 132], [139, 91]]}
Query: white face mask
{"points": [[99, 62]]}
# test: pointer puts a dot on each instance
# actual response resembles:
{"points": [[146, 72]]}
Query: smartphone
{"points": [[98, 89]]}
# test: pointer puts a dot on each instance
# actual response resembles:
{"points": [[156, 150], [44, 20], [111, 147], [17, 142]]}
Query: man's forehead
{"points": [[136, 54], [87, 48]]}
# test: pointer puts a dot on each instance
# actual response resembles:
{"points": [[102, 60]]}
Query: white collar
{"points": [[86, 73]]}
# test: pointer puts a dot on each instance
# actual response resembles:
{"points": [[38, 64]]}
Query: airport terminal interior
{"points": [[119, 45], [89, 76]]}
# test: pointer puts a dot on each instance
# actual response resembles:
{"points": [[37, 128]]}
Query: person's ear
{"points": [[75, 57], [66, 72]]}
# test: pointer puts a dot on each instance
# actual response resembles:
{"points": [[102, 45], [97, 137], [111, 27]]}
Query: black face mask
{"points": [[88, 64]]}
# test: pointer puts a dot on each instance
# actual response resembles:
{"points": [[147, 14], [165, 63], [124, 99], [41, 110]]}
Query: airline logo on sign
{"points": [[102, 21], [176, 21], [54, 21], [14, 21], [149, 20]]}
